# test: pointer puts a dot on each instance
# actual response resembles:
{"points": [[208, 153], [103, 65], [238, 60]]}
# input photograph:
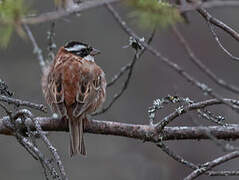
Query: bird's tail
{"points": [[77, 145]]}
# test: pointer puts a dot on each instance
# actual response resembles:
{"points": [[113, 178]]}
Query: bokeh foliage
{"points": [[151, 13], [11, 12]]}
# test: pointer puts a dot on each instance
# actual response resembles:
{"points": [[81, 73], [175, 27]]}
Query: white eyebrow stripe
{"points": [[75, 48]]}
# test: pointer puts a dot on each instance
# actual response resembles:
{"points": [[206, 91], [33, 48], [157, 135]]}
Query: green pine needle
{"points": [[151, 13], [6, 33], [11, 12]]}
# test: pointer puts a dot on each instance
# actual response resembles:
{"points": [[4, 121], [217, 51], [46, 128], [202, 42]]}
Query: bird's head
{"points": [[82, 50]]}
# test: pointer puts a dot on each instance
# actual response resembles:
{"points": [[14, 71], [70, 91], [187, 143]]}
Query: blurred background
{"points": [[122, 158]]}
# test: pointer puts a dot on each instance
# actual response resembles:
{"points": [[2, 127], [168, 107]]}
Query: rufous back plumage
{"points": [[74, 87]]}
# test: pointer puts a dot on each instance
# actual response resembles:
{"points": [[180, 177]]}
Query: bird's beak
{"points": [[94, 52]]}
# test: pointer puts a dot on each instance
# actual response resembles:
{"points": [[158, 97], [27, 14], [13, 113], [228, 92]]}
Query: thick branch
{"points": [[141, 132]]}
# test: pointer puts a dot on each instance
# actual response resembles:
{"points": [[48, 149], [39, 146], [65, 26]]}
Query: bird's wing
{"points": [[86, 95]]}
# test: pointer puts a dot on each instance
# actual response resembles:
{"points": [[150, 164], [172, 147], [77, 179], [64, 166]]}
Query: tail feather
{"points": [[77, 145]]}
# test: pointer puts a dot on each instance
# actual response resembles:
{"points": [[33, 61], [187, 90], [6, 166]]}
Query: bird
{"points": [[74, 86]]}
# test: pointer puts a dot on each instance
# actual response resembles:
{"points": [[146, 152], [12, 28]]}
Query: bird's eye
{"points": [[83, 52]]}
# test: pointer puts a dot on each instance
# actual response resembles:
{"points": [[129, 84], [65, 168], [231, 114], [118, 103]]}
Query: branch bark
{"points": [[208, 17], [54, 15], [135, 131], [209, 165]]}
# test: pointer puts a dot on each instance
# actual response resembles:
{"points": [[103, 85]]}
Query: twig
{"points": [[183, 109], [223, 173], [176, 157], [19, 102], [159, 103], [4, 89], [204, 113], [191, 165], [34, 156], [208, 17], [187, 163], [201, 66], [224, 146], [203, 87], [51, 16], [220, 3], [47, 164], [211, 164], [36, 49], [125, 85], [130, 67], [44, 170], [208, 5], [119, 74], [51, 46], [220, 44], [46, 141], [28, 145]]}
